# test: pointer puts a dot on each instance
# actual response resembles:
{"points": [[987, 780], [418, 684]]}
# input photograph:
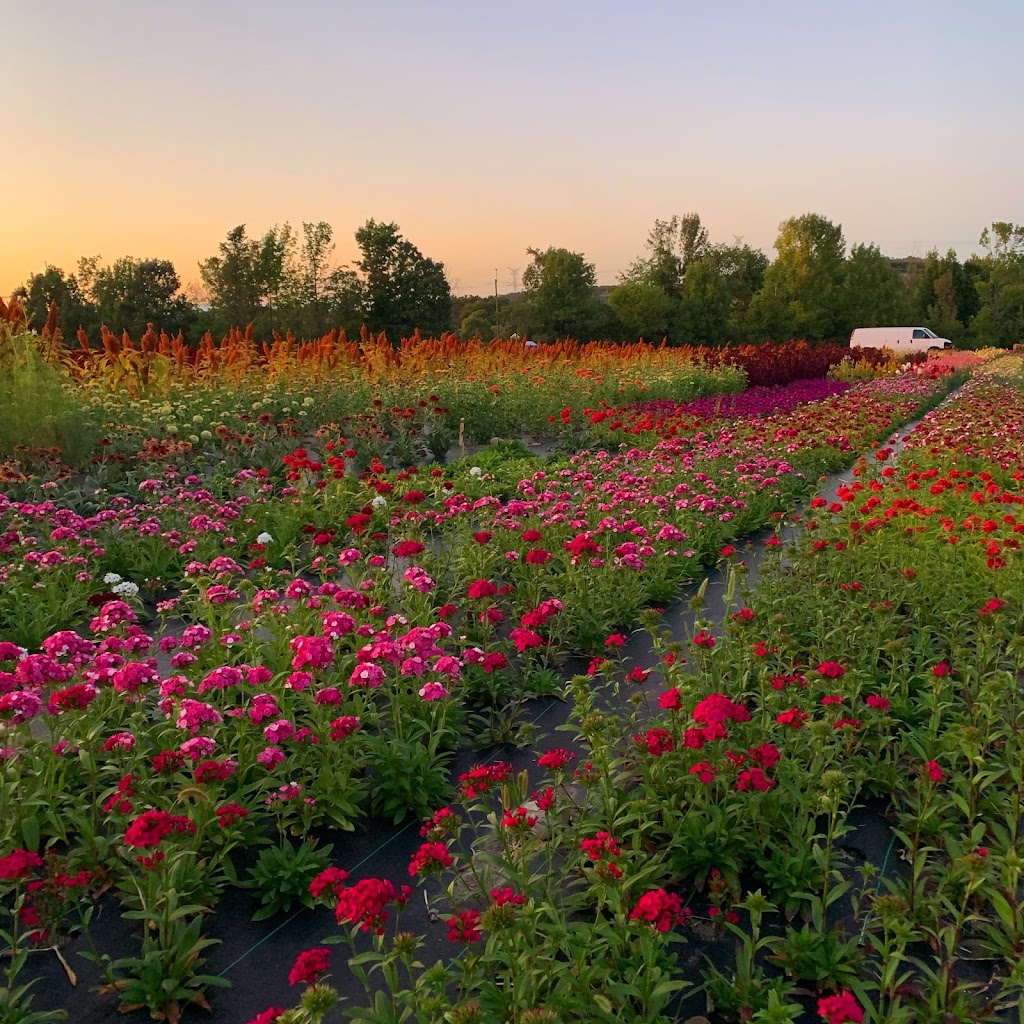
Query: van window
{"points": [[918, 333]]}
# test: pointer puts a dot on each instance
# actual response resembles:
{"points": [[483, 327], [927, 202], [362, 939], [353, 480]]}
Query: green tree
{"points": [[672, 246], [743, 269], [705, 305], [131, 293], [945, 295], [873, 292], [74, 309], [805, 280], [401, 289], [248, 276], [559, 285], [999, 277], [645, 310]]}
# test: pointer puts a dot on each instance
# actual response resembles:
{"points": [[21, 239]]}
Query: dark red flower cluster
{"points": [[656, 741], [330, 880], [556, 758], [479, 780], [228, 814], [464, 927], [840, 1009], [309, 965], [19, 864], [602, 850], [430, 859], [659, 908], [151, 828], [365, 904]]}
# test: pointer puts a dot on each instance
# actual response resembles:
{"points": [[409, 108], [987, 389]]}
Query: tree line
{"points": [[683, 288]]}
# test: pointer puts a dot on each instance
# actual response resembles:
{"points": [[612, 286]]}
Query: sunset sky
{"points": [[149, 128]]}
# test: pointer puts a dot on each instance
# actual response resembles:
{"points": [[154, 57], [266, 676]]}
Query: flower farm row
{"points": [[321, 645], [878, 662]]}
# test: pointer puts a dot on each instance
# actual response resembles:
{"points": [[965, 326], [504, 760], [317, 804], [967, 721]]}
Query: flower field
{"points": [[230, 647]]}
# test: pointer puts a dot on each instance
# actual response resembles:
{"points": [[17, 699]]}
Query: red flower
{"points": [[507, 896], [877, 702], [615, 640], [794, 717], [429, 859], [478, 780], [753, 778], [464, 926], [935, 772], [670, 700], [407, 549], [831, 669], [364, 904], [941, 670], [657, 741], [660, 908], [268, 1016], [493, 662], [230, 813], [329, 880], [19, 863], [482, 588], [152, 827], [556, 758], [538, 556], [704, 771], [526, 638], [309, 965], [840, 1009]]}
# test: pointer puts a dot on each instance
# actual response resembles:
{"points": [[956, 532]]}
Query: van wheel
{"points": [[934, 350]]}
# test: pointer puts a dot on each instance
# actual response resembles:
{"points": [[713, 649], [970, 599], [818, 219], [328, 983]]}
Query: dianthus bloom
{"points": [[314, 651], [230, 813], [660, 908], [478, 780], [19, 863], [152, 827], [556, 758], [670, 700], [268, 1016], [309, 965], [657, 741], [840, 1009], [330, 880], [525, 639], [879, 703], [753, 778], [343, 727], [464, 926], [935, 772], [364, 904], [429, 859], [831, 670]]}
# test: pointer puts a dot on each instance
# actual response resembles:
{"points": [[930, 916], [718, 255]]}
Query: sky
{"points": [[150, 128]]}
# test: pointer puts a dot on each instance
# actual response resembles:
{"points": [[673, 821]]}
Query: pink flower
{"points": [[840, 1009], [433, 691]]}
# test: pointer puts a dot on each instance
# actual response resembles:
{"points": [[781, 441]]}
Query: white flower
{"points": [[379, 502], [126, 589], [476, 471], [111, 577], [264, 538]]}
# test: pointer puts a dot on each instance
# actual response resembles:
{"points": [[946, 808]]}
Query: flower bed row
{"points": [[880, 664], [281, 705]]}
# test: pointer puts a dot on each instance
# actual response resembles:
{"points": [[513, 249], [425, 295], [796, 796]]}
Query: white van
{"points": [[899, 339]]}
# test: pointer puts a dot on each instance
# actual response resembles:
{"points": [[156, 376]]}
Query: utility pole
{"points": [[495, 291]]}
